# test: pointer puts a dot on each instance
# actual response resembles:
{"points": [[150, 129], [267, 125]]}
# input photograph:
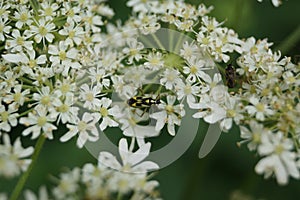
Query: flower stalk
{"points": [[19, 187]]}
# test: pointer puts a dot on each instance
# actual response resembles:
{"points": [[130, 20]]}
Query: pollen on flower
{"points": [[20, 41], [65, 88], [62, 55], [193, 69], [260, 107], [169, 109], [231, 113], [4, 116], [43, 30], [89, 96], [256, 138], [24, 17], [279, 149], [41, 121], [82, 125], [104, 111], [45, 100], [63, 108]]}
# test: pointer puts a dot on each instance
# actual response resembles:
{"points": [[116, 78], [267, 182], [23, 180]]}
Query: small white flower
{"points": [[68, 184], [42, 195], [99, 76], [209, 110], [133, 50], [189, 50], [41, 121], [5, 30], [48, 10], [63, 58], [253, 135], [131, 161], [107, 113], [74, 33], [129, 124], [154, 61], [42, 31], [187, 90], [18, 42], [170, 114], [170, 78], [12, 157], [279, 158], [259, 109], [23, 16], [85, 129], [8, 118], [89, 95], [18, 96], [64, 110], [45, 97]]}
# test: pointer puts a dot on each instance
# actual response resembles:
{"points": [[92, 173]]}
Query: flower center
{"points": [[48, 11], [260, 107], [65, 88], [23, 17], [103, 111], [82, 125], [45, 100], [169, 109], [4, 116], [63, 108], [256, 138], [193, 69], [62, 55], [17, 96], [41, 121], [231, 113], [89, 96], [279, 149], [20, 41], [32, 63], [43, 31]]}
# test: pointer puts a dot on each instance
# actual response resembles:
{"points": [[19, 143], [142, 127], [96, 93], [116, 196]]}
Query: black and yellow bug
{"points": [[143, 102]]}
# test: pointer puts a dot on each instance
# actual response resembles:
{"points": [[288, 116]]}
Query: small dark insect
{"points": [[230, 76]]}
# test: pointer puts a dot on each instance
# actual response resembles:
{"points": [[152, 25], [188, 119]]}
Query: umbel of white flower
{"points": [[67, 64]]}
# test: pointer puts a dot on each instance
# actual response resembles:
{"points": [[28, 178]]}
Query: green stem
{"points": [[35, 6], [19, 187], [290, 41]]}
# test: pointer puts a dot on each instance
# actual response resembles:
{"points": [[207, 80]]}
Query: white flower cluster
{"points": [[261, 94], [101, 182], [65, 63]]}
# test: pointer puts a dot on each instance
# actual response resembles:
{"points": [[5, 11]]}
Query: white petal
{"points": [[145, 167], [140, 154]]}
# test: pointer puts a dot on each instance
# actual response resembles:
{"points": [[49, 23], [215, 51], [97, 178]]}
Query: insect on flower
{"points": [[143, 103], [230, 76]]}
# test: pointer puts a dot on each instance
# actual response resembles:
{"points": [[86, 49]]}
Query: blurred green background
{"points": [[227, 168]]}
